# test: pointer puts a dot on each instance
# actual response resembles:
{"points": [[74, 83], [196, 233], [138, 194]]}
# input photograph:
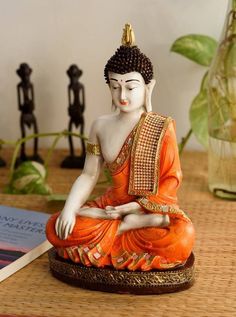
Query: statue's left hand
{"points": [[120, 211]]}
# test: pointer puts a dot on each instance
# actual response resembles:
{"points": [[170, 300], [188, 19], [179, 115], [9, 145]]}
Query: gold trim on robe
{"points": [[117, 164], [145, 154], [154, 207]]}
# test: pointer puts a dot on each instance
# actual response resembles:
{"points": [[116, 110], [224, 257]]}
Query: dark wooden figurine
{"points": [[2, 162], [25, 93], [76, 108]]}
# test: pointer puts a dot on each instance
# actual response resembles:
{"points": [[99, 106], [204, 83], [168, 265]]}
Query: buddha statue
{"points": [[137, 224]]}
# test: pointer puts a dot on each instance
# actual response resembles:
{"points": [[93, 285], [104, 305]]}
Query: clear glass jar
{"points": [[222, 112]]}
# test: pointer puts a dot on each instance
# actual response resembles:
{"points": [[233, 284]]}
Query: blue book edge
{"points": [[22, 238]]}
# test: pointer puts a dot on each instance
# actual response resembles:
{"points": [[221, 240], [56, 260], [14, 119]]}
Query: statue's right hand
{"points": [[65, 224]]}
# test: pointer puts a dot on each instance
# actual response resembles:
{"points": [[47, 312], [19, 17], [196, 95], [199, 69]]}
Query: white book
{"points": [[22, 238]]}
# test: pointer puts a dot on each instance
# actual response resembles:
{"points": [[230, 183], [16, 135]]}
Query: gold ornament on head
{"points": [[128, 38]]}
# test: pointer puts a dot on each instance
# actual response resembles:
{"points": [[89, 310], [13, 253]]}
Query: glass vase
{"points": [[222, 112]]}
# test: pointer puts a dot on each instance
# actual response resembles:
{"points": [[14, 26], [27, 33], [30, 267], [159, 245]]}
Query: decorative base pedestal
{"points": [[73, 162], [117, 281]]}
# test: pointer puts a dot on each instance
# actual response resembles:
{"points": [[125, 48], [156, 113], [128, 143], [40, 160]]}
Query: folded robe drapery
{"points": [[95, 241]]}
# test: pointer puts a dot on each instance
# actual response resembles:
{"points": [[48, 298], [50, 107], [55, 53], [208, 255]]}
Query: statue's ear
{"points": [[151, 85], [149, 89]]}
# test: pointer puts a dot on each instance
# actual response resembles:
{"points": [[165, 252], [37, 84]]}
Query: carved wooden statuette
{"points": [[25, 93], [2, 162], [76, 97]]}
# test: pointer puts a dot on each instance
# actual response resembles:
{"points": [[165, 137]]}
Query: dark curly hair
{"points": [[129, 59]]}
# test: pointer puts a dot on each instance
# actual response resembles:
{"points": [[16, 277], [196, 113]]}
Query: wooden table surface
{"points": [[33, 291]]}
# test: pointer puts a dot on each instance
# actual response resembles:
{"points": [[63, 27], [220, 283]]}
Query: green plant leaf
{"points": [[198, 114], [108, 175], [204, 81], [196, 47], [29, 178]]}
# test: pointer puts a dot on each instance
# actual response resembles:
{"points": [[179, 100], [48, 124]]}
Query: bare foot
{"points": [[133, 221]]}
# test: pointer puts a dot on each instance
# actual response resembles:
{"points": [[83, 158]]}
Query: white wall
{"points": [[52, 34]]}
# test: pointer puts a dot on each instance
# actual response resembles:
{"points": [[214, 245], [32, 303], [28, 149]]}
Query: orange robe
{"points": [[94, 242]]}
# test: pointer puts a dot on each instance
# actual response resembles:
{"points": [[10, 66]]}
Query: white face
{"points": [[128, 91]]}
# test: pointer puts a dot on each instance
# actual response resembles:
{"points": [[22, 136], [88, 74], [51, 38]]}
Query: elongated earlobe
{"points": [[149, 89]]}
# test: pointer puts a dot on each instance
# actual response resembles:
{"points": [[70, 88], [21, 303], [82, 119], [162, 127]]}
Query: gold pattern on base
{"points": [[107, 278]]}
